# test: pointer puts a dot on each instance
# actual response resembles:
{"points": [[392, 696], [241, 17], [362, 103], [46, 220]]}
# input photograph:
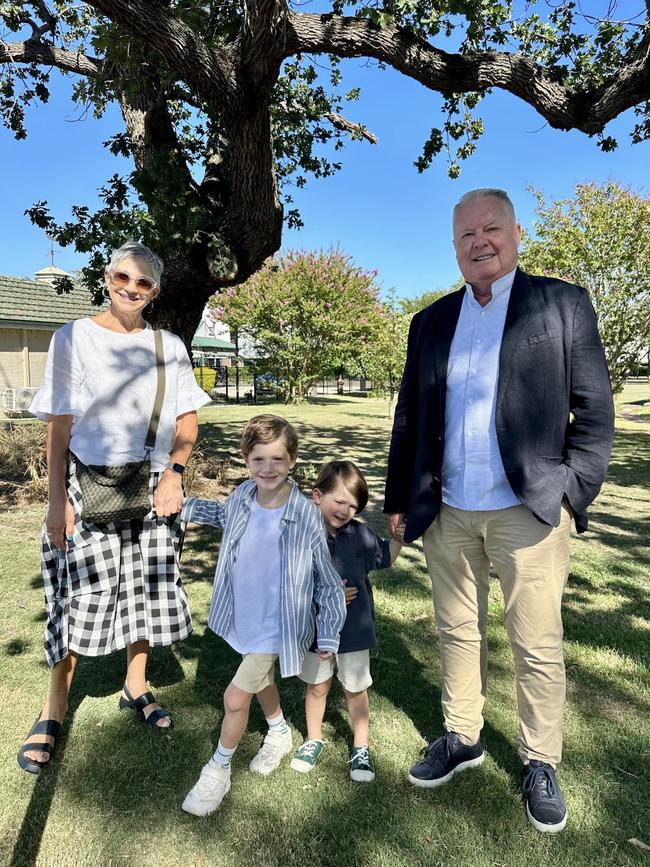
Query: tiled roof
{"points": [[23, 300]]}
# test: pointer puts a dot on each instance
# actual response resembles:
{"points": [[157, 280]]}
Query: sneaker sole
{"points": [[301, 766], [200, 810], [197, 811], [362, 776], [544, 828], [463, 766], [264, 772]]}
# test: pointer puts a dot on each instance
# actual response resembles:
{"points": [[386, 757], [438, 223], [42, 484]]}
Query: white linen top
{"points": [[107, 381], [256, 581], [473, 476]]}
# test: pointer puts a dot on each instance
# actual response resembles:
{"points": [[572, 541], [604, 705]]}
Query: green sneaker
{"points": [[361, 767], [306, 756]]}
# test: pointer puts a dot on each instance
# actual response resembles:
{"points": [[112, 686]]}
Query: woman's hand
{"points": [[168, 496], [59, 522]]}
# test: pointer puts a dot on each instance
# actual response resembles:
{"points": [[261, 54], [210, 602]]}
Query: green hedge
{"points": [[209, 376]]}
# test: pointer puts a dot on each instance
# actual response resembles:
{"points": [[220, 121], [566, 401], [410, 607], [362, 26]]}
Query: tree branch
{"points": [[438, 70], [345, 125], [262, 42], [45, 54], [49, 19], [211, 73]]}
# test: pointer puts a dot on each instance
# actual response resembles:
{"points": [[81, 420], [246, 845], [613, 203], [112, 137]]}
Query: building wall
{"points": [[39, 343], [22, 356], [12, 374]]}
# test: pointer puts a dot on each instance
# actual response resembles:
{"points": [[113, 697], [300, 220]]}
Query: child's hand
{"points": [[397, 525], [324, 654], [350, 592]]}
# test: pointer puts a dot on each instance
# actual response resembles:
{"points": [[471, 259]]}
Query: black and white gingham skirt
{"points": [[114, 584]]}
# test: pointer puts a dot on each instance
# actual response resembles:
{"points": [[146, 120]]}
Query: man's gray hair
{"points": [[133, 248], [485, 193]]}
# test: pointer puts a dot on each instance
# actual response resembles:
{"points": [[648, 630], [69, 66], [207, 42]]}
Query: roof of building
{"points": [[51, 271], [212, 343], [24, 300]]}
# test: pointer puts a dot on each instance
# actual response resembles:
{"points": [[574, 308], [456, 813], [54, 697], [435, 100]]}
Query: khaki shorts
{"points": [[353, 669], [256, 671]]}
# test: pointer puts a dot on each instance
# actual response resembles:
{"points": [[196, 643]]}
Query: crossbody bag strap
{"points": [[150, 441]]}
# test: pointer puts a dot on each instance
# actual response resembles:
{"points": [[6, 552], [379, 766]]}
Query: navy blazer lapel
{"points": [[444, 334], [513, 329]]}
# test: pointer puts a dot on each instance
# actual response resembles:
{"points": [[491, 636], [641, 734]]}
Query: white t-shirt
{"points": [[107, 381], [256, 581]]}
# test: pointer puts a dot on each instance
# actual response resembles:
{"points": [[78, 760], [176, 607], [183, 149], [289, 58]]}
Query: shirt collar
{"points": [[345, 530], [499, 287]]}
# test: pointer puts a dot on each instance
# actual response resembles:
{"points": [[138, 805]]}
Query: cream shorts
{"points": [[256, 671], [353, 669]]}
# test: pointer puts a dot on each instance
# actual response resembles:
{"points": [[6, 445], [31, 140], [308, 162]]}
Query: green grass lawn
{"points": [[113, 794]]}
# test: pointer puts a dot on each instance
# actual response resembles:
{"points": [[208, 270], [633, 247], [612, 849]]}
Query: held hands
{"points": [[324, 654], [168, 496], [397, 525], [59, 522]]}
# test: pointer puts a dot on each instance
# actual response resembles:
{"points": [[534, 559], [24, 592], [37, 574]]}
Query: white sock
{"points": [[278, 724], [222, 755]]}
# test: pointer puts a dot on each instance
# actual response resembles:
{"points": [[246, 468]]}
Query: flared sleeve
{"points": [[61, 390]]}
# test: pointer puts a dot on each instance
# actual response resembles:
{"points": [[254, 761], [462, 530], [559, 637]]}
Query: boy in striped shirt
{"points": [[273, 566]]}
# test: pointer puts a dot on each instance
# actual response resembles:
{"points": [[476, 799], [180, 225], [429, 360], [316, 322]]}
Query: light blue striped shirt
{"points": [[473, 476], [311, 594]]}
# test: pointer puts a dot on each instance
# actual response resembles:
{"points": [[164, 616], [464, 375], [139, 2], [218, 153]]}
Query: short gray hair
{"points": [[485, 193], [133, 248]]}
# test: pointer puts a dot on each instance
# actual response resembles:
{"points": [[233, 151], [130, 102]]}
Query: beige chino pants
{"points": [[531, 560]]}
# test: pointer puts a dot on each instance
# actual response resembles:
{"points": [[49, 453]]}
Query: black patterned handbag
{"points": [[120, 493]]}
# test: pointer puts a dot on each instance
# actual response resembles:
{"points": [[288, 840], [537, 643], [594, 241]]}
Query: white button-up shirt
{"points": [[473, 476]]}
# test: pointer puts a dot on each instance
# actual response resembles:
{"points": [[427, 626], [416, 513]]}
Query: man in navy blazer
{"points": [[502, 434]]}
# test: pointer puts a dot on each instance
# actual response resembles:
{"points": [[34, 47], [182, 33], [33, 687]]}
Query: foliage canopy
{"points": [[225, 108], [600, 239]]}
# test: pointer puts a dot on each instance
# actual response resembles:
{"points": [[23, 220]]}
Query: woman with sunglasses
{"points": [[115, 585]]}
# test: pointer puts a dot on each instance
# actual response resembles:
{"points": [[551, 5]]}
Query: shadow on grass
{"points": [[95, 678], [630, 464], [337, 823], [16, 646]]}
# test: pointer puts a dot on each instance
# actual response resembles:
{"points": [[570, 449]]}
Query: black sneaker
{"points": [[545, 805], [443, 758]]}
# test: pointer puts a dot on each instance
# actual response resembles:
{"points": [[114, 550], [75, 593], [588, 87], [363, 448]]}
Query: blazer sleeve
{"points": [[590, 432], [401, 455]]}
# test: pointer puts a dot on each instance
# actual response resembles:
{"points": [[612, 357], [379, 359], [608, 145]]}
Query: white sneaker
{"points": [[273, 750], [209, 790]]}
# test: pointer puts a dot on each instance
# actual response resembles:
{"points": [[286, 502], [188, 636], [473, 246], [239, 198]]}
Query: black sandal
{"points": [[138, 705], [41, 727]]}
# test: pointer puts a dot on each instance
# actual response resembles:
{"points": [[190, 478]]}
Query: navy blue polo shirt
{"points": [[357, 550]]}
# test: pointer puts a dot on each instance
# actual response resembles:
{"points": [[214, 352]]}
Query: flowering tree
{"points": [[308, 314], [382, 360], [600, 239]]}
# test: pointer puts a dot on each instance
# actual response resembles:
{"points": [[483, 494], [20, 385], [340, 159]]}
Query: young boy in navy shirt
{"points": [[341, 492]]}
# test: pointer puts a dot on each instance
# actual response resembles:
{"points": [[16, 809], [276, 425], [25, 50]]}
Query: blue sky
{"points": [[377, 208]]}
